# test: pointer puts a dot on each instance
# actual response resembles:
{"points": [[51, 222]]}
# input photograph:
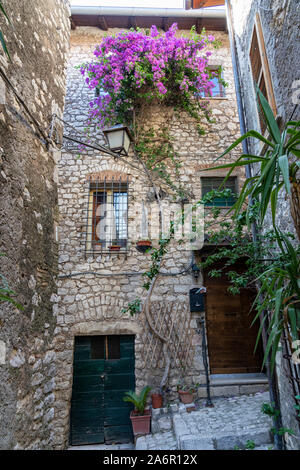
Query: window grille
{"points": [[106, 215], [213, 183]]}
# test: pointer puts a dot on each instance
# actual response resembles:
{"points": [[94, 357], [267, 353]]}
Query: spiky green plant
{"points": [[139, 401], [279, 164], [280, 291], [1, 35], [278, 299]]}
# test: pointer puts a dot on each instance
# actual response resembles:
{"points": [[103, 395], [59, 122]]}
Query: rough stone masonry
{"points": [[92, 303], [37, 39]]}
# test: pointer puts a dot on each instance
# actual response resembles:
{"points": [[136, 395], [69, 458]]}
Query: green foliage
{"points": [[297, 407], [157, 255], [133, 307], [278, 165], [250, 445], [139, 401], [6, 293], [1, 35], [156, 150], [280, 291], [281, 431], [270, 410], [185, 387], [277, 302]]}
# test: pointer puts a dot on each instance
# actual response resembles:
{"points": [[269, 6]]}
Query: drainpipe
{"points": [[274, 397], [160, 12]]}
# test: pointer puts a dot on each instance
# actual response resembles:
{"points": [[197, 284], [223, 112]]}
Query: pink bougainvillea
{"points": [[133, 66]]}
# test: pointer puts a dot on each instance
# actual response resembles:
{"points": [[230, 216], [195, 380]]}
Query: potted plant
{"points": [[115, 246], [143, 245], [157, 399], [186, 392], [140, 417]]}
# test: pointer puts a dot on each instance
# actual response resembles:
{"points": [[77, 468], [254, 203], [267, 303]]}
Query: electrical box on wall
{"points": [[197, 303]]}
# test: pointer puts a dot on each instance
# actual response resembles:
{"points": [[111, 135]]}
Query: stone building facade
{"points": [[37, 39], [280, 30], [94, 287]]}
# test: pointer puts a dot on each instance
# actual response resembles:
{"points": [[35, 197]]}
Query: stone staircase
{"points": [[230, 424]]}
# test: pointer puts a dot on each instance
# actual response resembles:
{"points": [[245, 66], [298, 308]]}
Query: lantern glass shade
{"points": [[118, 138]]}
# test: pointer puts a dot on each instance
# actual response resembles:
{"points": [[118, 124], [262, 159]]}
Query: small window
{"points": [[215, 183], [107, 216], [105, 347], [100, 92], [260, 70], [97, 347], [218, 90]]}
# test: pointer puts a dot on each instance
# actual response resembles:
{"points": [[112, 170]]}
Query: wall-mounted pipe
{"points": [[160, 12]]}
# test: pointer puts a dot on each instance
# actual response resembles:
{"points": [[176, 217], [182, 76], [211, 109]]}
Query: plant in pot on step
{"points": [[140, 416], [186, 391], [157, 398]]}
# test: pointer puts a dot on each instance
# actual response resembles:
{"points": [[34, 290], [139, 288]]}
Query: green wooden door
{"points": [[103, 372]]}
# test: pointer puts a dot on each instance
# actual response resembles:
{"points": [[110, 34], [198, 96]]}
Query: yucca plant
{"points": [[1, 35], [139, 401], [280, 291], [278, 299], [279, 164]]}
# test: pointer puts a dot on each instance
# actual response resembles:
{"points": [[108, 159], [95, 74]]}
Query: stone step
{"points": [[223, 441], [160, 441], [229, 424]]}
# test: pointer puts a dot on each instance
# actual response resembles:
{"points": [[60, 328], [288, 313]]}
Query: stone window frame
{"points": [[107, 182], [260, 69], [220, 177]]}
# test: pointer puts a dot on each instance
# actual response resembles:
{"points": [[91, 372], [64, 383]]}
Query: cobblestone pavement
{"points": [[229, 424], [159, 441]]}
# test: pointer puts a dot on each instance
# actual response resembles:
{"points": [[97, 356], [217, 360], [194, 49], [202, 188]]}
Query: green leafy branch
{"points": [[2, 40]]}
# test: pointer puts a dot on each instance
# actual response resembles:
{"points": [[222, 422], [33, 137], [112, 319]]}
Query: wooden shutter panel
{"points": [[260, 68]]}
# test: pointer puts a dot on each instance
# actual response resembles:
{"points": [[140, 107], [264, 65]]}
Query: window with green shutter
{"points": [[216, 183]]}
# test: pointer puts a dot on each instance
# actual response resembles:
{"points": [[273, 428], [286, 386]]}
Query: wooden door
{"points": [[103, 372], [231, 339]]}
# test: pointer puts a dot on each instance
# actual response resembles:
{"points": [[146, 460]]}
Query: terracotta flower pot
{"points": [[115, 248], [141, 423], [157, 400], [186, 397], [143, 245]]}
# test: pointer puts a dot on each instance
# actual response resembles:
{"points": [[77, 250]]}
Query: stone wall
{"points": [[280, 23], [37, 40], [92, 289]]}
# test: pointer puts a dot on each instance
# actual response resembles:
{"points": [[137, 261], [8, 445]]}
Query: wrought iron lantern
{"points": [[195, 271], [118, 138]]}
